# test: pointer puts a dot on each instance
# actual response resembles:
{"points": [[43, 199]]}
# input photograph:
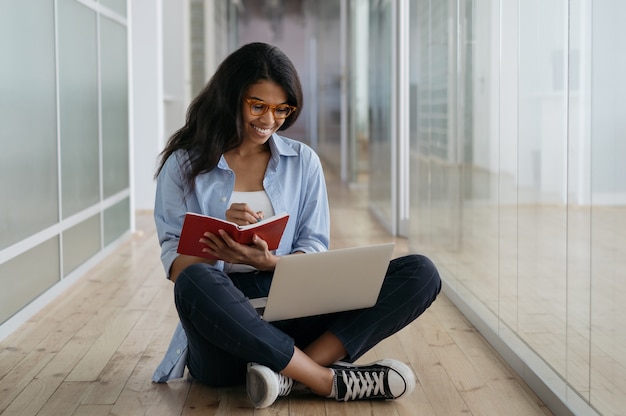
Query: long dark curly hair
{"points": [[214, 122]]}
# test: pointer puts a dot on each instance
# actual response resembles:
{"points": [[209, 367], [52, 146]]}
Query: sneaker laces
{"points": [[363, 384], [285, 384]]}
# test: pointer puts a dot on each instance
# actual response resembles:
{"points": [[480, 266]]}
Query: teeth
{"points": [[262, 131]]}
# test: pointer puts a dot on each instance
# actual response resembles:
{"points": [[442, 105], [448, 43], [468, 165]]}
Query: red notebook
{"points": [[195, 225]]}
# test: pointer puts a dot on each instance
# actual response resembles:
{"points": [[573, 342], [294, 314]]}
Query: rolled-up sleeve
{"points": [[169, 210], [313, 230]]}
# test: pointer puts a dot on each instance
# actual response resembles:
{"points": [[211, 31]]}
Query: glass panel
{"points": [[114, 86], [78, 95], [329, 83], [579, 220], [380, 116], [358, 106], [28, 276], [80, 243], [28, 126], [435, 171], [608, 211], [504, 91], [420, 126], [473, 214], [197, 35], [116, 221], [542, 156], [118, 6]]}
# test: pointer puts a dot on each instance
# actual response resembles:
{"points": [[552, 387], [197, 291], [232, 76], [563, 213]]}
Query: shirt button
{"points": [[178, 352], [223, 199]]}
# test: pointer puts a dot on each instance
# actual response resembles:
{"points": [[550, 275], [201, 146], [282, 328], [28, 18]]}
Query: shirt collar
{"points": [[278, 146]]}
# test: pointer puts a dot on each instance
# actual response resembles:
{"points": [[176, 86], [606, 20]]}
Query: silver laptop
{"points": [[326, 282]]}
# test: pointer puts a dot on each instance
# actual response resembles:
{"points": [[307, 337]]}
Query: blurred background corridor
{"points": [[486, 134]]}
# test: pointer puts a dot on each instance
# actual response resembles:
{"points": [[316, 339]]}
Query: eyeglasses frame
{"points": [[252, 101]]}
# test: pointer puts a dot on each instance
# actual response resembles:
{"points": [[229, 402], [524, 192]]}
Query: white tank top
{"points": [[257, 200]]}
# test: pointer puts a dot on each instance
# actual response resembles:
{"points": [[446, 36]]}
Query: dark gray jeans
{"points": [[225, 332]]}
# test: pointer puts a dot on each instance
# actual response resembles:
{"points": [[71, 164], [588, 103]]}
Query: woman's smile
{"points": [[262, 131]]}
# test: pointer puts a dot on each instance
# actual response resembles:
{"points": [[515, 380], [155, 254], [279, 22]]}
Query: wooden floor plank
{"points": [[234, 402], [13, 386], [405, 406], [66, 399], [520, 401], [110, 382], [307, 404], [33, 397], [94, 361], [17, 346], [113, 377], [201, 401], [142, 397], [280, 408], [92, 410], [438, 386]]}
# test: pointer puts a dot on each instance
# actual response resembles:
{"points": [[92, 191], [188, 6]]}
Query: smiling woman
{"points": [[228, 162]]}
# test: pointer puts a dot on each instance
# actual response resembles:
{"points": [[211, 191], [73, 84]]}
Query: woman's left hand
{"points": [[227, 249]]}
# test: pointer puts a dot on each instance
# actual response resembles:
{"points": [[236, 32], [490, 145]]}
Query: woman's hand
{"points": [[242, 214], [224, 247]]}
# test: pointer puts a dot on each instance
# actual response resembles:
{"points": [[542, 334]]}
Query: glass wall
{"points": [[358, 98], [64, 134], [326, 57], [518, 191], [28, 39], [381, 111]]}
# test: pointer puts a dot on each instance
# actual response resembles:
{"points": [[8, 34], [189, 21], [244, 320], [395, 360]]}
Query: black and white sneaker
{"points": [[382, 380], [264, 386]]}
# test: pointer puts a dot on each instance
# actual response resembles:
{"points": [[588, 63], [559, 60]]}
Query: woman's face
{"points": [[258, 129]]}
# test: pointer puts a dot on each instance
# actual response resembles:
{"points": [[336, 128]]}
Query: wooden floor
{"points": [[93, 350]]}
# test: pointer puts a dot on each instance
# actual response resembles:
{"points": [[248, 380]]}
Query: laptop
{"points": [[325, 282]]}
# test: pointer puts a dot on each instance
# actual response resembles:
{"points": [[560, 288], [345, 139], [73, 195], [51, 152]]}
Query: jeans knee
{"points": [[198, 281], [189, 276], [422, 271]]}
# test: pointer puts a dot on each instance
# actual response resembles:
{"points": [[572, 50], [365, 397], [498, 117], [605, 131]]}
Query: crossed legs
{"points": [[225, 332]]}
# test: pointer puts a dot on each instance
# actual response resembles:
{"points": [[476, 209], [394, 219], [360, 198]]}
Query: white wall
{"points": [[159, 83], [147, 97]]}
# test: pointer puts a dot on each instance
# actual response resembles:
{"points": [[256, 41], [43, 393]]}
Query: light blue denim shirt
{"points": [[294, 182]]}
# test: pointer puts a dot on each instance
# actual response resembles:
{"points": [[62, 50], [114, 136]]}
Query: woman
{"points": [[227, 161]]}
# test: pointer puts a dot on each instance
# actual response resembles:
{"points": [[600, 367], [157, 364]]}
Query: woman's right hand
{"points": [[241, 214]]}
